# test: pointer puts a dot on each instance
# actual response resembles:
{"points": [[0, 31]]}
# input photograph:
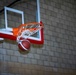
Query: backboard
{"points": [[22, 13]]}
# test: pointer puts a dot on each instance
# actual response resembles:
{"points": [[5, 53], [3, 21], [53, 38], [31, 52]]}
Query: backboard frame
{"points": [[12, 10], [7, 31]]}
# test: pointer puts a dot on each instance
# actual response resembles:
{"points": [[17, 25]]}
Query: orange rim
{"points": [[21, 29]]}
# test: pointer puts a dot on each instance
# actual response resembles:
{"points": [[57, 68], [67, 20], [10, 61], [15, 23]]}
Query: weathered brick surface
{"points": [[58, 53]]}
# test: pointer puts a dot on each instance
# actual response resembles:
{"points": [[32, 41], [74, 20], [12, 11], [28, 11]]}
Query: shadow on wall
{"points": [[29, 69]]}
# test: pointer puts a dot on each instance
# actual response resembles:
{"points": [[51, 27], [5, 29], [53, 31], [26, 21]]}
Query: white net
{"points": [[26, 30]]}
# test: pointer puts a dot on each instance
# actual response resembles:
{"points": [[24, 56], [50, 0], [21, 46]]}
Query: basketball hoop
{"points": [[26, 30]]}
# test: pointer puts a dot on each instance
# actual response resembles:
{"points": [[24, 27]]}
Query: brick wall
{"points": [[58, 54]]}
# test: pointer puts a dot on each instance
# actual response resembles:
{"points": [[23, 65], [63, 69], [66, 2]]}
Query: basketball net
{"points": [[26, 30]]}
